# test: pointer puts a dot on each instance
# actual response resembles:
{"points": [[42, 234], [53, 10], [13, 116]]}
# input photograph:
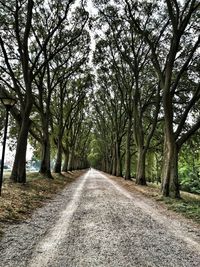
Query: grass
{"points": [[188, 205], [18, 201]]}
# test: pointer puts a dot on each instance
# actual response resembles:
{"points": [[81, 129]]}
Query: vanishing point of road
{"points": [[95, 222]]}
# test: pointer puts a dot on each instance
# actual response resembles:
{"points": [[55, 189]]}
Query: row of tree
{"points": [[139, 115], [44, 51], [146, 104]]}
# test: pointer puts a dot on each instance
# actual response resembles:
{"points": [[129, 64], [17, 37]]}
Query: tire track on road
{"points": [[46, 249], [173, 227]]}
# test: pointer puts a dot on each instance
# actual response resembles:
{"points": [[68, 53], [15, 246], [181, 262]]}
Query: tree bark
{"points": [[19, 167], [170, 183], [128, 152], [114, 161], [58, 164], [139, 140], [45, 160], [66, 159], [70, 161], [118, 160], [140, 174], [107, 163], [45, 168], [110, 166]]}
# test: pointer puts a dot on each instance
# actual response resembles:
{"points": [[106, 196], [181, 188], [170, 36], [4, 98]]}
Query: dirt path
{"points": [[95, 222]]}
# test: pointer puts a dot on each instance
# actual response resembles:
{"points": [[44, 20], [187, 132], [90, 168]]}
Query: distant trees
{"points": [[132, 82]]}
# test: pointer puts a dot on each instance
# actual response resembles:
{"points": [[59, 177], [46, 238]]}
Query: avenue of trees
{"points": [[147, 101], [44, 50], [131, 107]]}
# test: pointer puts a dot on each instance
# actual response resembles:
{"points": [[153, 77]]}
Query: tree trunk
{"points": [[19, 167], [170, 183], [114, 161], [107, 163], [66, 160], [110, 166], [128, 152], [58, 164], [104, 163], [71, 159], [118, 160], [139, 140], [45, 168], [140, 173]]}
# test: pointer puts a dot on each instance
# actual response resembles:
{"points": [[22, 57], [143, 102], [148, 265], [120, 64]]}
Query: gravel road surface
{"points": [[95, 222]]}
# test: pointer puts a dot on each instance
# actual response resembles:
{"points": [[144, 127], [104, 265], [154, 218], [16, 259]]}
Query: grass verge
{"points": [[18, 201], [188, 205]]}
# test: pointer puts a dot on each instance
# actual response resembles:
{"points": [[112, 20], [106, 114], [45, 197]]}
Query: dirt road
{"points": [[95, 222]]}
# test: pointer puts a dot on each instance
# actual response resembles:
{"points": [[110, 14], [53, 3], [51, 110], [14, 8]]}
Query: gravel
{"points": [[95, 222]]}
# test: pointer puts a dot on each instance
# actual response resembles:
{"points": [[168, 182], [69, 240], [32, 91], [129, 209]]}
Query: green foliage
{"points": [[189, 166], [189, 181], [89, 119], [95, 153], [188, 206]]}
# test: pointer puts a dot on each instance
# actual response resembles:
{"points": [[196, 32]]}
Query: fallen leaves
{"points": [[18, 201]]}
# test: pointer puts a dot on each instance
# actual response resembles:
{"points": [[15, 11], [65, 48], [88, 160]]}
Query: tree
{"points": [[135, 79], [171, 60], [109, 98], [71, 98], [24, 55]]}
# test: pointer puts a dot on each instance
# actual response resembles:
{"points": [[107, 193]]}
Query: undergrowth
{"points": [[18, 201], [189, 207]]}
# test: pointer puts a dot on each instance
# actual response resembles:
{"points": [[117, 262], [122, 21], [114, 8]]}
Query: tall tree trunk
{"points": [[104, 163], [118, 160], [107, 163], [66, 160], [114, 160], [110, 166], [128, 152], [139, 139], [58, 164], [74, 163], [141, 159], [45, 168], [71, 159], [170, 183], [19, 167], [140, 173]]}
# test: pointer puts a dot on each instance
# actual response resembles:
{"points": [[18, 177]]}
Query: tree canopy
{"points": [[128, 106]]}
